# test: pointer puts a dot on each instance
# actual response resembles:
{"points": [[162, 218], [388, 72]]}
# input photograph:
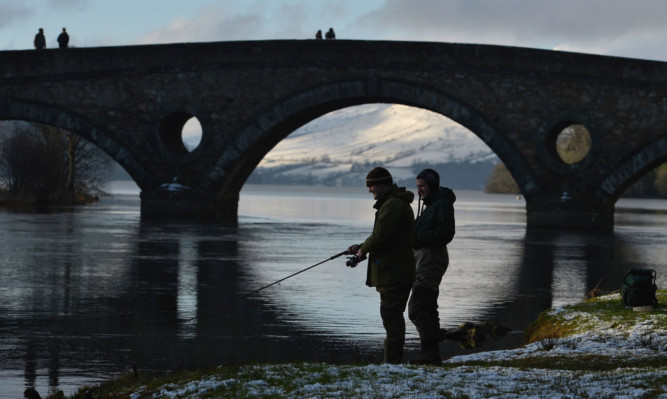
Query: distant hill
{"points": [[339, 148]]}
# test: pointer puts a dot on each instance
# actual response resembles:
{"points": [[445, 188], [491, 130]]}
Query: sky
{"points": [[627, 28]]}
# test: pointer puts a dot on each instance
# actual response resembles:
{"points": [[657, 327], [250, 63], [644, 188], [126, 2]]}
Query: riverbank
{"points": [[594, 349], [26, 201]]}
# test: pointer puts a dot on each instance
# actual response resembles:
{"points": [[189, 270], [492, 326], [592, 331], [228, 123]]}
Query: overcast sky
{"points": [[629, 28]]}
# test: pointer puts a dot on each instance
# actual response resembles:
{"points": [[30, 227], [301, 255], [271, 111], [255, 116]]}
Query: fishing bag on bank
{"points": [[639, 288]]}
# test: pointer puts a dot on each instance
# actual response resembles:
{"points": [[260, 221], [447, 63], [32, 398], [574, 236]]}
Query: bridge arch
{"points": [[40, 113], [632, 169], [287, 115]]}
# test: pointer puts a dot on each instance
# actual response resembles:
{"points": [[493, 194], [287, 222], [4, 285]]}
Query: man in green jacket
{"points": [[391, 263], [434, 229]]}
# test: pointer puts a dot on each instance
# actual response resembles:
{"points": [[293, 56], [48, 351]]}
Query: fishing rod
{"points": [[217, 308]]}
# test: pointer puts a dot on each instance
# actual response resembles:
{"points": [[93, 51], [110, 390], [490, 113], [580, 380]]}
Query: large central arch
{"points": [[273, 125]]}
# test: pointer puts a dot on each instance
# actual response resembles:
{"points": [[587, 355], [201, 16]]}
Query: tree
{"points": [[501, 181], [45, 164], [651, 185], [661, 180], [573, 143], [88, 167], [644, 187]]}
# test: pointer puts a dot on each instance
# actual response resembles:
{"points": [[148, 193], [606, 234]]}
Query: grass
{"points": [[562, 373], [589, 315]]}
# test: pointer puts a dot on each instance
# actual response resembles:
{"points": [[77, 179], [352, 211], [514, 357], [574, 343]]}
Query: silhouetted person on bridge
{"points": [[63, 39], [40, 40], [330, 34], [318, 35]]}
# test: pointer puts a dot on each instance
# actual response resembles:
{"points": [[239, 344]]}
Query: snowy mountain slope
{"points": [[396, 136]]}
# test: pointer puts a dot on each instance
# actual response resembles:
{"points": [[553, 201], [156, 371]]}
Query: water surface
{"points": [[89, 292]]}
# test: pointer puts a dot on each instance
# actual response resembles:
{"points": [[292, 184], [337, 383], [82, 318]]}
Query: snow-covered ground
{"points": [[474, 376], [390, 381], [398, 381]]}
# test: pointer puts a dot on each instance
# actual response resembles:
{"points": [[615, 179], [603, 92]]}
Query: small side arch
{"points": [[269, 128], [40, 113], [632, 169]]}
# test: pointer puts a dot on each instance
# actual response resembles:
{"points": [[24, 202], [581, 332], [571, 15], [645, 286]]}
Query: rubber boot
{"points": [[393, 352], [430, 354]]}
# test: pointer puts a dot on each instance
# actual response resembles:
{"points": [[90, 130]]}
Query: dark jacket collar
{"points": [[443, 193], [394, 191]]}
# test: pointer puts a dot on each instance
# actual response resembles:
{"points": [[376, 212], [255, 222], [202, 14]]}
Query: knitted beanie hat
{"points": [[378, 176]]}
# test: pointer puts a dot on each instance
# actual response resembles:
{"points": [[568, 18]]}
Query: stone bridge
{"points": [[133, 101]]}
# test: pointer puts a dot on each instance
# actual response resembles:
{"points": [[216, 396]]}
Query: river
{"points": [[89, 292]]}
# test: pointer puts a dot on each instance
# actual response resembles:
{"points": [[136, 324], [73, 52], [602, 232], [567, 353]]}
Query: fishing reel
{"points": [[352, 261]]}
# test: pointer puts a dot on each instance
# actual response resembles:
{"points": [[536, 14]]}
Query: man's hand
{"points": [[353, 249]]}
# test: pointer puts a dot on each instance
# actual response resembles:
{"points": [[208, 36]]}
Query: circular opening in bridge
{"points": [[180, 132], [573, 144], [191, 134]]}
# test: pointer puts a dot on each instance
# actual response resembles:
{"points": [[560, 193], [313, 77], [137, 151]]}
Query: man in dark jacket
{"points": [[434, 229], [63, 39], [40, 40], [391, 263]]}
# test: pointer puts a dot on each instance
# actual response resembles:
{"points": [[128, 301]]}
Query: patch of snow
{"points": [[192, 388]]}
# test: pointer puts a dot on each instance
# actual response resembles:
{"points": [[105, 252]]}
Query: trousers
{"points": [[432, 263], [393, 300]]}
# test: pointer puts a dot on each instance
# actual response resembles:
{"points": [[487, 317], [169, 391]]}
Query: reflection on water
{"points": [[89, 292]]}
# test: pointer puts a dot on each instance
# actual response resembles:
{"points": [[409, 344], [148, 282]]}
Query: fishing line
{"points": [[217, 308]]}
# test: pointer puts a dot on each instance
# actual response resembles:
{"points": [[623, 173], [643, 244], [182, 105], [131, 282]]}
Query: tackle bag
{"points": [[639, 288]]}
